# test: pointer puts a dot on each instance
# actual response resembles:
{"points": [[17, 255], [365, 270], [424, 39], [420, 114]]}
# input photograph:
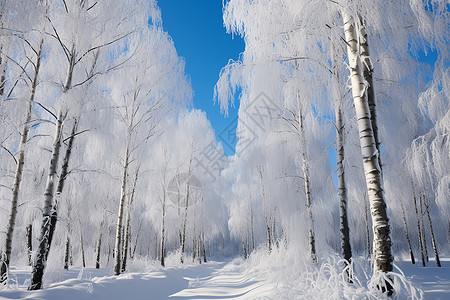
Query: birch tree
{"points": [[78, 51], [48, 213], [163, 197], [31, 46], [144, 99], [127, 227], [382, 240], [20, 164], [342, 188]]}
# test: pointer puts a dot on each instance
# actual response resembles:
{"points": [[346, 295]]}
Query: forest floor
{"points": [[214, 280]]}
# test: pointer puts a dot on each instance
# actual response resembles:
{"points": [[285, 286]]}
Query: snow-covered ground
{"points": [[214, 280], [434, 281], [236, 279]]}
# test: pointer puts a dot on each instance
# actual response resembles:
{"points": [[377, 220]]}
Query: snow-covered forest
{"points": [[341, 170]]}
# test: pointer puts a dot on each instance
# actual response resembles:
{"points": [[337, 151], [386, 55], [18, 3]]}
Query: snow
{"points": [[254, 278], [434, 281], [213, 280]]}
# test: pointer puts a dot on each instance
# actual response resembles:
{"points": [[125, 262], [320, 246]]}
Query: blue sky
{"points": [[197, 30]]}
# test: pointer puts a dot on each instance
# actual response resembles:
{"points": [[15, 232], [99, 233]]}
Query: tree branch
{"points": [[15, 62], [89, 8], [103, 45], [74, 135], [65, 6], [12, 155], [64, 47], [46, 109]]}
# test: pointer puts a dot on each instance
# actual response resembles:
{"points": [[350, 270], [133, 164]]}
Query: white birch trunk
{"points": [[99, 248], [342, 189], [126, 239], [419, 229], [405, 226], [183, 233], [244, 249], [433, 240], [269, 236], [252, 230], [366, 219], [194, 244], [3, 67], [382, 257], [268, 217], [72, 58], [30, 243], [67, 253], [127, 242], [367, 69], [312, 242], [83, 259], [204, 248], [424, 238], [247, 245], [40, 259], [19, 169], [163, 230], [117, 246], [136, 240]]}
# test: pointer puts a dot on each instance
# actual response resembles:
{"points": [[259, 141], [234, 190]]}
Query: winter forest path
{"points": [[213, 280]]}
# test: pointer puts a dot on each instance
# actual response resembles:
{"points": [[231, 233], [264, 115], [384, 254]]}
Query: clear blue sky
{"points": [[197, 30]]}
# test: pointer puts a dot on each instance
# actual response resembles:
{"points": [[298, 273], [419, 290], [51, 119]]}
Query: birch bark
{"points": [[405, 226], [312, 241], [419, 229], [382, 257], [127, 230], [163, 230], [19, 169], [433, 240], [29, 235], [67, 253], [183, 233], [40, 259], [120, 214], [99, 247], [367, 69], [342, 189]]}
